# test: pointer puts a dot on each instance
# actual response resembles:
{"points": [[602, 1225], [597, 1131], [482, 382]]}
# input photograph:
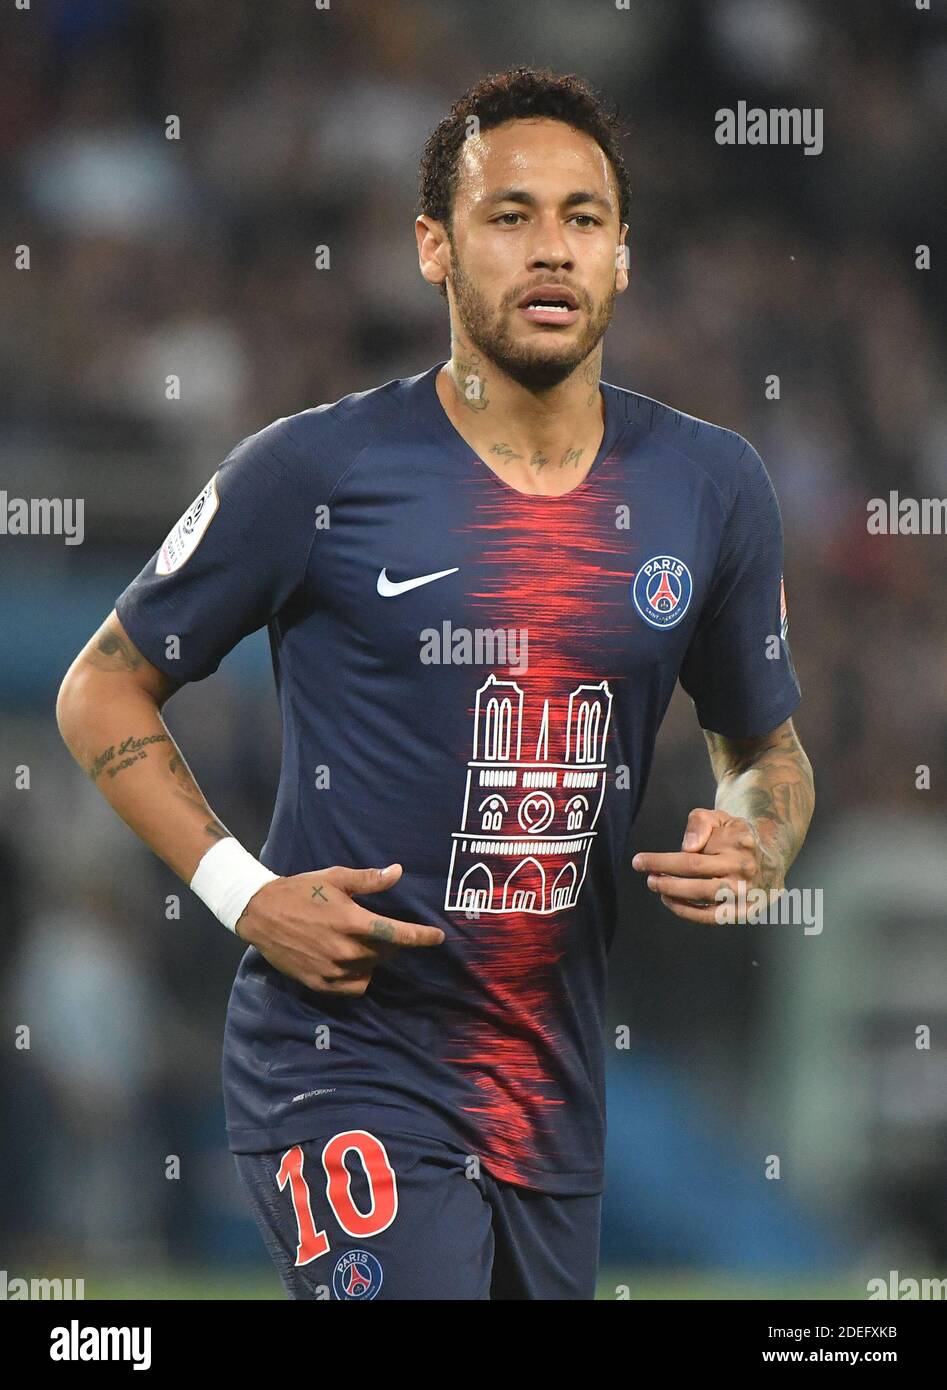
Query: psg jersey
{"points": [[470, 681]]}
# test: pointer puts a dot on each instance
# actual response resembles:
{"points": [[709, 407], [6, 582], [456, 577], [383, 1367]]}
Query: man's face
{"points": [[536, 205]]}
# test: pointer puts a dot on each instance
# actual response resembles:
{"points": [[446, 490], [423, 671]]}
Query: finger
{"points": [[395, 933], [353, 987], [362, 880], [692, 914], [362, 967], [688, 865], [700, 824], [343, 984], [737, 835], [361, 953], [687, 889]]}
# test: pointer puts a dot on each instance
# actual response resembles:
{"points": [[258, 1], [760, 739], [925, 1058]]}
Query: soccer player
{"points": [[481, 585]]}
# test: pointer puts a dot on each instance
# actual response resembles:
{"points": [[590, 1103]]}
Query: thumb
{"points": [[365, 880], [700, 823]]}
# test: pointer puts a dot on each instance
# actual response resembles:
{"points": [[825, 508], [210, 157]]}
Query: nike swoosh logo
{"points": [[388, 588]]}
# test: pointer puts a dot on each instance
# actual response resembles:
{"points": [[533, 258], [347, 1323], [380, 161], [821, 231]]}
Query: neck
{"points": [[539, 441]]}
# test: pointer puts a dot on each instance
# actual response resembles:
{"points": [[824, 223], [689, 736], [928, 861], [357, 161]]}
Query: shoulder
{"points": [[727, 459], [317, 446]]}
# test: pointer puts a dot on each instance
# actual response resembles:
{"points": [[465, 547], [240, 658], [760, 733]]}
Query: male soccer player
{"points": [[481, 585]]}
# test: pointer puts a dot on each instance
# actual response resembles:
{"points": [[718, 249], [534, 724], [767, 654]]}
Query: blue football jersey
{"points": [[471, 680]]}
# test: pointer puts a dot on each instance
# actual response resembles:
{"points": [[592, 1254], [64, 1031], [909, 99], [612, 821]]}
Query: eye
{"points": [[586, 217], [504, 215]]}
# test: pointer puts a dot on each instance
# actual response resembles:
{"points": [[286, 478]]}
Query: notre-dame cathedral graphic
{"points": [[529, 813]]}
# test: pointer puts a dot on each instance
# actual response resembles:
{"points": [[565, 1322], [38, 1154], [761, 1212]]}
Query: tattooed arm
{"points": [[109, 715], [306, 925], [764, 802], [766, 782]]}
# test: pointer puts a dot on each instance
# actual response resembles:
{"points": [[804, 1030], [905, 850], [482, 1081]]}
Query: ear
{"points": [[622, 275], [433, 249]]}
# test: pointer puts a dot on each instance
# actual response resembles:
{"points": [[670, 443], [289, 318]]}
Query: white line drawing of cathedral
{"points": [[528, 822]]}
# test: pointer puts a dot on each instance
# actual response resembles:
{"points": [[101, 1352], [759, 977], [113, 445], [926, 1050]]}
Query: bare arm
{"points": [[764, 803], [109, 715], [306, 925], [767, 782]]}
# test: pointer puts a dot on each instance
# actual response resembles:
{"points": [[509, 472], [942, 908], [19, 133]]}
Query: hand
{"points": [[308, 927], [718, 850]]}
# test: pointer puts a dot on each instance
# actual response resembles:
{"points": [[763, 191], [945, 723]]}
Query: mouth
{"points": [[549, 304]]}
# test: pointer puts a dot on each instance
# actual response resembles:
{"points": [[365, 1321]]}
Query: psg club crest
{"points": [[357, 1275], [662, 591]]}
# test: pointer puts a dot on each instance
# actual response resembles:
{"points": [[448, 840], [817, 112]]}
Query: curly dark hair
{"points": [[518, 93]]}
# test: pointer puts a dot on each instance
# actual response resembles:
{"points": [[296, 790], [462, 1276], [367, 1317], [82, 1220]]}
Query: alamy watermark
{"points": [[79, 1343], [43, 516], [787, 907], [479, 646], [895, 515], [755, 125], [15, 1289], [904, 1290]]}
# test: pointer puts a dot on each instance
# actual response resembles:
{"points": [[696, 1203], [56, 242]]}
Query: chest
{"points": [[428, 567]]}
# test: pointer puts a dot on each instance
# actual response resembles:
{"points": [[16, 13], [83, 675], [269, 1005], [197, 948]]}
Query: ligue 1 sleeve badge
{"points": [[185, 536], [662, 591]]}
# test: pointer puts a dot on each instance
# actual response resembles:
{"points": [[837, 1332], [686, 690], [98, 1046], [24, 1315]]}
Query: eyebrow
{"points": [[520, 195]]}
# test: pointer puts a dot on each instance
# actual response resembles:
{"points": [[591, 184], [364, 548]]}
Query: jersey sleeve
{"points": [[229, 564], [738, 668]]}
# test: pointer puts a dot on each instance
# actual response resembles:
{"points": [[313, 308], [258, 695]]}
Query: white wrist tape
{"points": [[227, 878]]}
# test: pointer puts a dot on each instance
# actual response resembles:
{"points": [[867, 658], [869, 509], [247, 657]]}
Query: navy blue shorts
{"points": [[359, 1215]]}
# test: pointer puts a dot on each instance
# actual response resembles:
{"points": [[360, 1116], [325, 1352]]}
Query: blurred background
{"points": [[302, 127]]}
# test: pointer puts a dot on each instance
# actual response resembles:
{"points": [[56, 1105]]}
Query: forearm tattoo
{"points": [[186, 785], [769, 783], [131, 750]]}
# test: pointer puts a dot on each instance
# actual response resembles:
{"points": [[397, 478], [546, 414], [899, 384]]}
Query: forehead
{"points": [[539, 155]]}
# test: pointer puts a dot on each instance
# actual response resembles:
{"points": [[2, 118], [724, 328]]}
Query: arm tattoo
{"points": [[768, 782], [131, 750], [113, 653], [181, 773], [185, 784]]}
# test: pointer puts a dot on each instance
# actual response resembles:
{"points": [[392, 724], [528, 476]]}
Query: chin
{"points": [[541, 371]]}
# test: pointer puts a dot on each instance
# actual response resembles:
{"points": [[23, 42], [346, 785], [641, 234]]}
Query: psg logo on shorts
{"points": [[662, 591], [356, 1275]]}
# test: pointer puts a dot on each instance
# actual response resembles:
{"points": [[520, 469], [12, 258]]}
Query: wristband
{"points": [[227, 878]]}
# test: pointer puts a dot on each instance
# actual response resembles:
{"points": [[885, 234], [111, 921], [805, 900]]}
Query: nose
{"points": [[549, 249]]}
